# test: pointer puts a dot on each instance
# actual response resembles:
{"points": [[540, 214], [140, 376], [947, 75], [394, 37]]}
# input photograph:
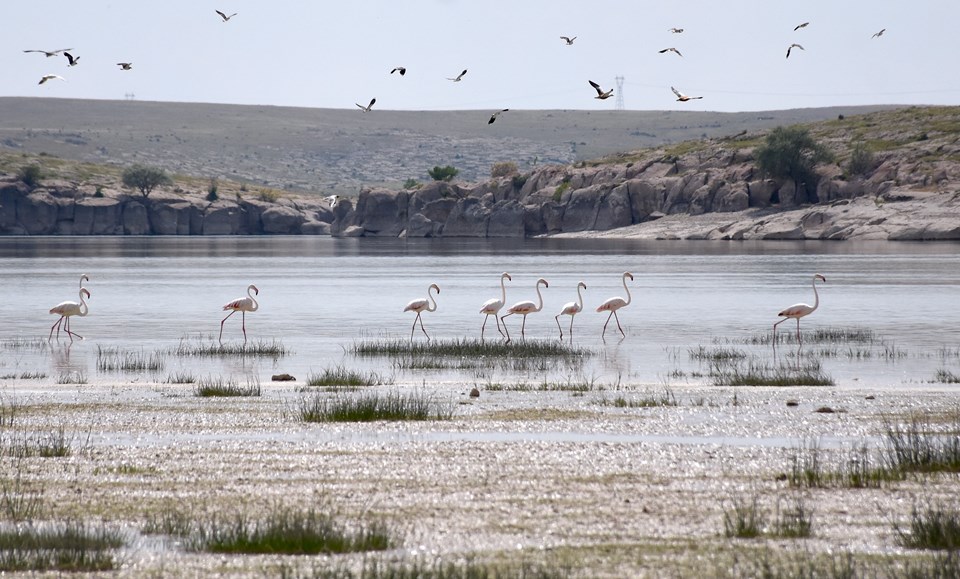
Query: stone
{"points": [[353, 231], [761, 192], [645, 199], [420, 226], [222, 218], [315, 228], [281, 220], [135, 221], [468, 219], [37, 213], [614, 210], [506, 220], [382, 212], [282, 378], [97, 216], [581, 211]]}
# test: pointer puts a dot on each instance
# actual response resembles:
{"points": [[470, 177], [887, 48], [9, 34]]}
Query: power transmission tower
{"points": [[619, 104]]}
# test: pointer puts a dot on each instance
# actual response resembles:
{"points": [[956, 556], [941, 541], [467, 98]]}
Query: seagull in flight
{"points": [[73, 60], [224, 16], [401, 69], [459, 76], [47, 77], [125, 65], [879, 34], [332, 200], [671, 49], [799, 26], [600, 93], [676, 30], [682, 97], [568, 39], [792, 46], [494, 116], [50, 53], [367, 108]]}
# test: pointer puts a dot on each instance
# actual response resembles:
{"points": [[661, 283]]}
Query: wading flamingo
{"points": [[67, 309], [493, 306], [614, 304], [242, 305], [798, 311], [422, 305], [571, 309], [524, 308]]}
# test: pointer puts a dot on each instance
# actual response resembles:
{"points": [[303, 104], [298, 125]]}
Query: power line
{"points": [[619, 104]]}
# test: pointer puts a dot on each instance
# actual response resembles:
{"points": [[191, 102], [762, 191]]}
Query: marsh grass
{"points": [[917, 447], [171, 522], [817, 336], [260, 348], [70, 547], [26, 375], [18, 500], [716, 354], [181, 377], [77, 377], [8, 412], [664, 398], [935, 527], [744, 519], [466, 348], [858, 469], [435, 569], [54, 444], [809, 373], [577, 386], [945, 376], [369, 407], [211, 387], [117, 360], [793, 521], [19, 343], [340, 376]]}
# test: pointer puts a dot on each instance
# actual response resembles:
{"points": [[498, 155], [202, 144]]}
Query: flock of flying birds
{"points": [[402, 70]]}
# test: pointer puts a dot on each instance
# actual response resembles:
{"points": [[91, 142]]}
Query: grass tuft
{"points": [[72, 378], [181, 377], [340, 376], [937, 527], [370, 407], [116, 360], [744, 519], [916, 447], [945, 376], [757, 374], [73, 547], [263, 349], [466, 348], [209, 387]]}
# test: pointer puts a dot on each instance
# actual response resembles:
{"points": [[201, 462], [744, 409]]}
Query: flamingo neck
{"points": [[816, 296], [503, 290], [433, 306], [83, 305], [539, 299], [626, 289], [579, 297], [253, 299]]}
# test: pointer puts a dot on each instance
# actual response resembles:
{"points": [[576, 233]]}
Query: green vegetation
{"points": [[269, 195], [934, 527], [30, 175], [373, 406], [503, 169], [116, 360], [439, 173], [861, 160], [946, 377], [181, 377], [791, 153], [340, 376], [209, 387], [466, 348], [145, 179], [806, 373], [917, 447], [744, 519], [412, 184], [212, 189], [73, 547], [259, 348]]}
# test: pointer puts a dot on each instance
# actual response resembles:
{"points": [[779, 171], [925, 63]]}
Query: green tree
{"points": [[443, 173], [791, 153], [146, 179], [30, 175], [861, 160], [411, 184]]}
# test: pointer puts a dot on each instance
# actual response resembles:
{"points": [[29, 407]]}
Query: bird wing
{"points": [[371, 103], [565, 38], [664, 50], [70, 57], [676, 92], [459, 76], [222, 15], [493, 117]]}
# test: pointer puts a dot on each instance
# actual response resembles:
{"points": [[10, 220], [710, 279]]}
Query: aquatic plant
{"points": [[70, 547], [209, 387], [114, 359], [744, 519], [340, 376], [933, 527], [761, 374], [917, 447], [259, 348], [467, 348], [369, 407]]}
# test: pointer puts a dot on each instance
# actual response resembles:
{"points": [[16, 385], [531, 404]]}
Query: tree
{"points": [[146, 179], [443, 173], [30, 175], [791, 153]]}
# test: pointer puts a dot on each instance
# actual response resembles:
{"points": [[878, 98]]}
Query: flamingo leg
{"points": [[498, 324], [57, 326], [557, 317], [484, 326], [421, 326], [222, 321], [618, 323], [502, 319], [604, 333], [66, 327], [243, 324], [523, 327], [799, 339], [571, 329]]}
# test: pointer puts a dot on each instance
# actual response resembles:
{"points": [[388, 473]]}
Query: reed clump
{"points": [[369, 407]]}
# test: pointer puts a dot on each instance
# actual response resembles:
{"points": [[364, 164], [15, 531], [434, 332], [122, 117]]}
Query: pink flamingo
{"points": [[422, 305], [242, 305], [798, 311], [493, 306], [67, 309], [615, 303], [524, 308], [571, 309]]}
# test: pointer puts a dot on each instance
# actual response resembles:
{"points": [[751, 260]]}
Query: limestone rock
{"points": [[506, 220], [468, 219], [282, 220]]}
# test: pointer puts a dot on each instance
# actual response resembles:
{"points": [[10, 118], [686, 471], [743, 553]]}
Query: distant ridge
{"points": [[341, 150]]}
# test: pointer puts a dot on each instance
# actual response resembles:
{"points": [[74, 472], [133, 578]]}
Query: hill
{"points": [[339, 151]]}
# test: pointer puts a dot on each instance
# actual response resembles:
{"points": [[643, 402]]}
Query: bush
{"points": [[443, 173], [146, 179], [269, 195], [861, 160], [30, 175], [503, 169], [791, 153], [99, 191], [411, 184]]}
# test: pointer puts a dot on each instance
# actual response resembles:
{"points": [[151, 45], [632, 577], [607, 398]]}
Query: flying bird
{"points": [[421, 305], [242, 305], [332, 200], [879, 34], [68, 309], [524, 308], [224, 16], [571, 309], [615, 303], [799, 26], [125, 65], [401, 69], [367, 108], [459, 76], [492, 306], [676, 30], [568, 39], [50, 53], [74, 61], [682, 97], [797, 311], [792, 46], [671, 49], [600, 93], [494, 116], [47, 77]]}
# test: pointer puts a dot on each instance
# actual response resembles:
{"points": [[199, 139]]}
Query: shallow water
{"points": [[319, 296]]}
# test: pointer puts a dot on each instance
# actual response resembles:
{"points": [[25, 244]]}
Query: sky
{"points": [[332, 54]]}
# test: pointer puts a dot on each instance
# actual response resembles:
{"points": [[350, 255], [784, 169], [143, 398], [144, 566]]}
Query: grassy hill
{"points": [[337, 151]]}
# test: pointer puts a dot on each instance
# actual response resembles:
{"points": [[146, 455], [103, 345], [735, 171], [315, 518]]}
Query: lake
{"points": [[319, 296]]}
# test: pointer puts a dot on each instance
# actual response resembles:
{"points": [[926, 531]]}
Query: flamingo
{"points": [[798, 311], [422, 305], [492, 306], [524, 308], [571, 309], [67, 309], [242, 305], [615, 303]]}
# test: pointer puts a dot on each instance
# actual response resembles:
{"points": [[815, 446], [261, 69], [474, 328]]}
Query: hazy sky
{"points": [[333, 54]]}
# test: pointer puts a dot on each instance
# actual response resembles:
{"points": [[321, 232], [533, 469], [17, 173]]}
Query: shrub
{"points": [[519, 181], [791, 153], [212, 189], [146, 179], [30, 175], [861, 160], [99, 191], [503, 169], [411, 184], [447, 173], [269, 195]]}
